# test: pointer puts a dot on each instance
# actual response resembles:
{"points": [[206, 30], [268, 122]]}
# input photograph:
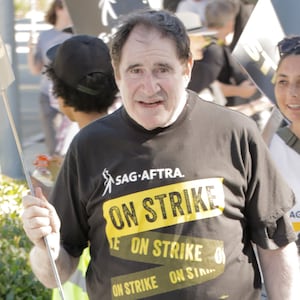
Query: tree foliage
{"points": [[17, 281]]}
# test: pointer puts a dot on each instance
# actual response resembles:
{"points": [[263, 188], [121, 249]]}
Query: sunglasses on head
{"points": [[289, 45]]}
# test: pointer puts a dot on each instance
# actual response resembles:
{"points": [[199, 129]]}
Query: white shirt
{"points": [[288, 163]]}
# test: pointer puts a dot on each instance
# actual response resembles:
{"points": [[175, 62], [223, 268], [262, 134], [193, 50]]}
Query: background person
{"points": [[285, 144], [200, 37], [217, 62], [225, 194], [284, 139], [58, 16], [219, 65], [244, 9]]}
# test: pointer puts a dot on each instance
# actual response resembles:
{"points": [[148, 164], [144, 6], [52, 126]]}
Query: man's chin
{"points": [[151, 125]]}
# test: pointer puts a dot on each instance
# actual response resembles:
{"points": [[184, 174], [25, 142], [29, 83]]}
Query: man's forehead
{"points": [[144, 34], [148, 41]]}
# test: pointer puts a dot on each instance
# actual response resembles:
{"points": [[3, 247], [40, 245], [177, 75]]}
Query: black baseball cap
{"points": [[78, 57]]}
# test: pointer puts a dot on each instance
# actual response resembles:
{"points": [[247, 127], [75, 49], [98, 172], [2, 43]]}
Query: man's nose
{"points": [[150, 84]]}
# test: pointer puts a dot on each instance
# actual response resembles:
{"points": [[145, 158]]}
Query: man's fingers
{"points": [[36, 222], [29, 200], [36, 234], [39, 193]]}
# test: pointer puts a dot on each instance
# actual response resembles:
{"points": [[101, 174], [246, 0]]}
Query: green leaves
{"points": [[17, 281]]}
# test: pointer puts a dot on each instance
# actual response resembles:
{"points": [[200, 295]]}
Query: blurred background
{"points": [[17, 19]]}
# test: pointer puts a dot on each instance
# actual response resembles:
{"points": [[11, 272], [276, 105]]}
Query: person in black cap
{"points": [[170, 192], [82, 84], [82, 77]]}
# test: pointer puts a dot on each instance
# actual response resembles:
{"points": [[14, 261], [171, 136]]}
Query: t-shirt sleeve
{"points": [[269, 199]]}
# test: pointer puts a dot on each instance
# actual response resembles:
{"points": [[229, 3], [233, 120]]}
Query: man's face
{"points": [[151, 79]]}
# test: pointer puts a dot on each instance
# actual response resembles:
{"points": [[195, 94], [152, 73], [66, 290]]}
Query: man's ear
{"points": [[190, 64], [116, 71], [188, 69], [116, 75]]}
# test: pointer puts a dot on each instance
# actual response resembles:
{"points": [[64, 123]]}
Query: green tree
{"points": [[17, 282], [22, 7]]}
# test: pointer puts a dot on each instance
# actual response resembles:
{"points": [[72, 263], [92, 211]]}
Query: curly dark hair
{"points": [[80, 101]]}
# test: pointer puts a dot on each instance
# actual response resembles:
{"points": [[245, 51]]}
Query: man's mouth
{"points": [[151, 103]]}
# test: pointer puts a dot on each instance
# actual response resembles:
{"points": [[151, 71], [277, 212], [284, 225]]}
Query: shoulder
{"points": [[46, 33], [221, 117], [213, 47], [100, 129], [46, 36], [213, 52]]}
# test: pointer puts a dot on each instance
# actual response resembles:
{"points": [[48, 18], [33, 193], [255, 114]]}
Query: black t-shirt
{"points": [[217, 64], [207, 70], [171, 213]]}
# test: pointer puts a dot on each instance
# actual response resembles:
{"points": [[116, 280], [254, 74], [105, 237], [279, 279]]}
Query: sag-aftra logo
{"points": [[163, 173]]}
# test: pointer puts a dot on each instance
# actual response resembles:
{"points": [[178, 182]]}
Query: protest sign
{"points": [[256, 49], [100, 17], [6, 72]]}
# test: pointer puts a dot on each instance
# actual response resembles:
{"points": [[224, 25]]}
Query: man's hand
{"points": [[39, 220]]}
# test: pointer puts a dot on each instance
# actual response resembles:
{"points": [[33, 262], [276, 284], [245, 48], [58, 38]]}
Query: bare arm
{"points": [[39, 220], [281, 273], [41, 267], [34, 65], [245, 90]]}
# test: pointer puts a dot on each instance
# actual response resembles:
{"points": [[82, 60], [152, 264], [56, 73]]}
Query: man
{"points": [[169, 191]]}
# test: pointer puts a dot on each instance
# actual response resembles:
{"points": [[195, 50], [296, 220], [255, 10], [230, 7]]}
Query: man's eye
{"points": [[163, 70], [135, 71]]}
